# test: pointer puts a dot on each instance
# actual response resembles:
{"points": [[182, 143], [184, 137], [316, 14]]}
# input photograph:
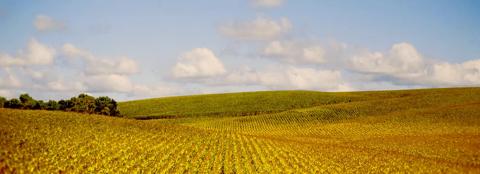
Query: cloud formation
{"points": [[198, 63], [34, 70], [108, 83], [266, 3], [402, 60], [290, 77], [35, 53], [9, 81], [45, 23], [405, 64], [295, 52], [100, 66], [101, 74], [465, 73], [260, 28]]}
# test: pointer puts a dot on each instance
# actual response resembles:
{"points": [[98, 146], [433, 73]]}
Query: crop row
{"points": [[47, 142]]}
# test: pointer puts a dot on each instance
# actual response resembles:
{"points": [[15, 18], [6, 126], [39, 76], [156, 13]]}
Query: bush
{"points": [[3, 100], [52, 105], [13, 103], [106, 106], [65, 105], [40, 104], [27, 101], [83, 103]]}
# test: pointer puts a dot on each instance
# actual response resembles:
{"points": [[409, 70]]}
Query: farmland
{"points": [[428, 131]]}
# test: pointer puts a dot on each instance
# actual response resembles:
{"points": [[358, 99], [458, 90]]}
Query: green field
{"points": [[234, 104], [408, 131]]}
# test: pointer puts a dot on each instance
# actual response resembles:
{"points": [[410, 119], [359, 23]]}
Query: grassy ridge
{"points": [[233, 104], [265, 102], [414, 106], [409, 131]]}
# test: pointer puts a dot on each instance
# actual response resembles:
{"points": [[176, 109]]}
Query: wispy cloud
{"points": [[46, 23], [198, 63], [267, 3], [260, 28]]}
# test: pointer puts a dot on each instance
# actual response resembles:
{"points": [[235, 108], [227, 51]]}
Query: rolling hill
{"points": [[406, 131], [230, 104]]}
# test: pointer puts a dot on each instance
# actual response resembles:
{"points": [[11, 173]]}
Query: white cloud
{"points": [[122, 66], [72, 51], [33, 70], [406, 65], [142, 91], [291, 77], [46, 23], [259, 29], [466, 73], [305, 78], [402, 60], [295, 52], [100, 66], [383, 85], [62, 85], [108, 83], [7, 60], [198, 63], [266, 3], [36, 53], [9, 81], [103, 74], [6, 93]]}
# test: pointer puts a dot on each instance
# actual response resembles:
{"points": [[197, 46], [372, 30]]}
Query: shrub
{"points": [[106, 106], [83, 103], [13, 103], [40, 104], [27, 101], [3, 100], [65, 105], [52, 105]]}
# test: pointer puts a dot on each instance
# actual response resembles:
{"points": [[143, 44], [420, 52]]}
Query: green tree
{"points": [[66, 105], [106, 106], [40, 104], [13, 103], [3, 100], [52, 105], [27, 101], [84, 103]]}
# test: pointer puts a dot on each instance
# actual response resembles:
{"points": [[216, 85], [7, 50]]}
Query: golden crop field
{"points": [[412, 131]]}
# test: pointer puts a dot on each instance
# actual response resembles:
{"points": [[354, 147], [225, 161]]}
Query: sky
{"points": [[143, 49]]}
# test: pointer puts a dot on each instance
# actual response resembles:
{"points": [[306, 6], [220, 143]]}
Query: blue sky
{"points": [[132, 49]]}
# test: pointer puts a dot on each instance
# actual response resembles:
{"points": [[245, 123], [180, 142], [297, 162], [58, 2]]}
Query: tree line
{"points": [[83, 104]]}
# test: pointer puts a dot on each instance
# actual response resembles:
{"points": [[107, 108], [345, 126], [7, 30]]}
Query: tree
{"points": [[27, 101], [63, 105], [114, 110], [106, 106], [102, 105], [13, 103], [53, 105], [40, 104], [84, 103], [3, 100]]}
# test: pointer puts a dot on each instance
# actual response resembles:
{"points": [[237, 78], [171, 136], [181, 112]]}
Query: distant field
{"points": [[409, 131], [233, 104]]}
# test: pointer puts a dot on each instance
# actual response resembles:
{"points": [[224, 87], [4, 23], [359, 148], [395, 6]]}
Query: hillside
{"points": [[264, 102], [407, 131], [231, 104]]}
